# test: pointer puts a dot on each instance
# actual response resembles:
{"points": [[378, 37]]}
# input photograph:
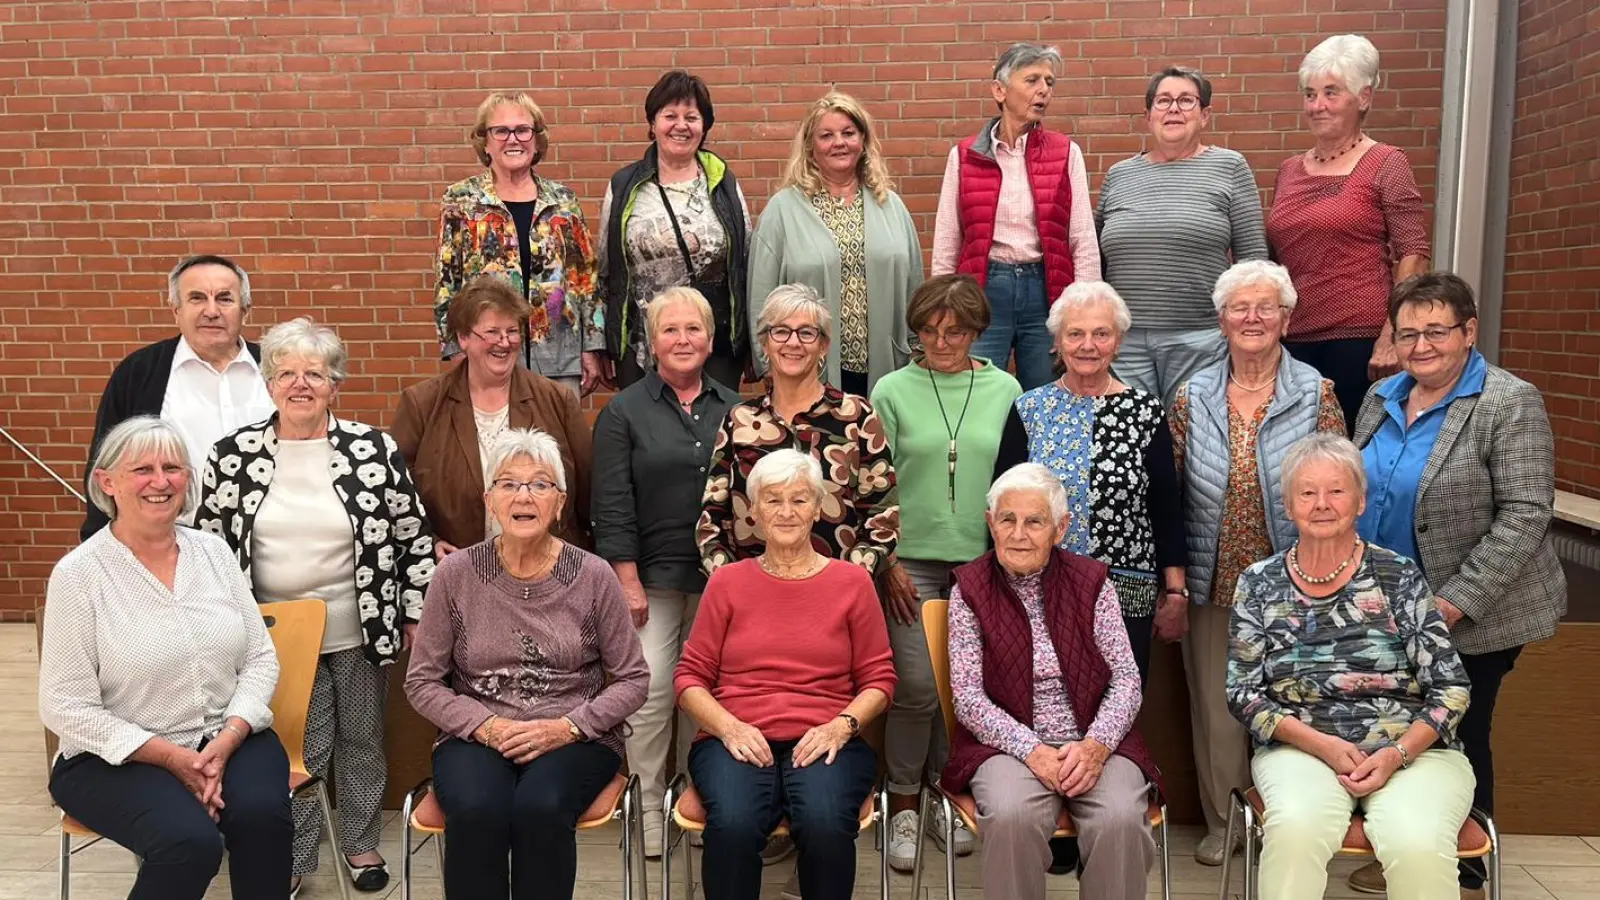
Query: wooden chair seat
{"points": [[690, 813], [75, 828], [966, 806], [1472, 842], [428, 817]]}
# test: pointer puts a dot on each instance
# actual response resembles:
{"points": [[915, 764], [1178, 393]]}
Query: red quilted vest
{"points": [[1071, 587], [1047, 154]]}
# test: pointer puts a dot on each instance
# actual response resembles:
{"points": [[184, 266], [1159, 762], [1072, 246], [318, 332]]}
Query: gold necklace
{"points": [[816, 562], [548, 561]]}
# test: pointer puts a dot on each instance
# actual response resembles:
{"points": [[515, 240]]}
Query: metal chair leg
{"points": [[438, 852], [65, 864], [333, 840], [1251, 853], [627, 839], [1493, 860], [882, 830], [1166, 860], [924, 804], [949, 848], [1227, 858], [405, 847], [668, 843]]}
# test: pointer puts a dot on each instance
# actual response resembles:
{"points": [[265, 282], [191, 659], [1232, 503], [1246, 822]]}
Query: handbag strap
{"points": [[683, 246]]}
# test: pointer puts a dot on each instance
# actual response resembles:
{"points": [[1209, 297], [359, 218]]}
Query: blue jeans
{"points": [[744, 803], [1344, 362], [1018, 308]]}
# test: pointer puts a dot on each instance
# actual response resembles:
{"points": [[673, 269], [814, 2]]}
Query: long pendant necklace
{"points": [[1294, 563], [972, 377]]}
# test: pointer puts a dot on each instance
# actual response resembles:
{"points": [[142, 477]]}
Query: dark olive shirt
{"points": [[650, 463]]}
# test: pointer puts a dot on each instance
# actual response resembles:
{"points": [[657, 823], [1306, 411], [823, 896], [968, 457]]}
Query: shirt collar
{"points": [[1000, 144], [1469, 384], [831, 397], [657, 388], [185, 354]]}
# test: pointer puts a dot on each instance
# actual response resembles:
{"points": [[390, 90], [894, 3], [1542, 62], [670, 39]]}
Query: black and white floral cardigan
{"points": [[394, 545]]}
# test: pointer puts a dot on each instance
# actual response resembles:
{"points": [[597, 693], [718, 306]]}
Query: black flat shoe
{"points": [[368, 878], [1063, 855]]}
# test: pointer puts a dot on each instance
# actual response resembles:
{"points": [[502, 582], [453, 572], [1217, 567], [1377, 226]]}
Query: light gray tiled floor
{"points": [[1537, 867]]}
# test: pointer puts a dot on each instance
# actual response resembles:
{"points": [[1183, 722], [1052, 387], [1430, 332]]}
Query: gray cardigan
{"points": [[791, 244], [1483, 513]]}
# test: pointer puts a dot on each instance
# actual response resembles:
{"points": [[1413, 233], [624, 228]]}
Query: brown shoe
{"points": [[1473, 894], [1368, 879]]}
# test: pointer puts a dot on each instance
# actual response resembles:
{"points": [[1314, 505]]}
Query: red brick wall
{"points": [[311, 139], [1551, 330]]}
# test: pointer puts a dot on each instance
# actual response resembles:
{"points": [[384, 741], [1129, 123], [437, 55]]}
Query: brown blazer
{"points": [[439, 440]]}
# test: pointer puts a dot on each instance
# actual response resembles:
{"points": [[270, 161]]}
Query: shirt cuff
{"points": [[256, 714], [123, 742]]}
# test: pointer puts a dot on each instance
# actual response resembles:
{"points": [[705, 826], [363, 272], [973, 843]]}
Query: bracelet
{"points": [[1405, 758], [852, 721], [229, 726]]}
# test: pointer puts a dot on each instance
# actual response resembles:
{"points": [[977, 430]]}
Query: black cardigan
{"points": [[137, 387]]}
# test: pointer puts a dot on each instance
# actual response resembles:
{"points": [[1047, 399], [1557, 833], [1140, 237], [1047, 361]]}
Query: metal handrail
{"points": [[43, 465]]}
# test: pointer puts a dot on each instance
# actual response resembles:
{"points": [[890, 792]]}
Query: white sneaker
{"points": [[903, 840], [964, 838]]}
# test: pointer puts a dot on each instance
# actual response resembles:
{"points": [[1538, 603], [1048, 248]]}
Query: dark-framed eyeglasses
{"points": [[1184, 102], [503, 133], [807, 334]]}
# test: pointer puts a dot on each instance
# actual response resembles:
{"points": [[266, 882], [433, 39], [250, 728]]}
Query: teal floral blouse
{"points": [[1362, 664]]}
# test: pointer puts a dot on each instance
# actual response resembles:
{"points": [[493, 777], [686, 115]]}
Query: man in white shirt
{"points": [[206, 380]]}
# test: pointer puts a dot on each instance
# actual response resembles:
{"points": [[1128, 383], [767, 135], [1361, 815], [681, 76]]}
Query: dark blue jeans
{"points": [[744, 803], [1018, 308], [492, 807], [1343, 362], [1486, 671], [147, 809]]}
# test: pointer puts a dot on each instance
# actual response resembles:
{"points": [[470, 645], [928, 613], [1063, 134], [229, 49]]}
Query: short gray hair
{"points": [[781, 467], [530, 443], [133, 438], [306, 339], [1323, 446], [1021, 55], [787, 300], [1255, 273], [1080, 294], [1350, 58], [676, 295], [1031, 477], [208, 259]]}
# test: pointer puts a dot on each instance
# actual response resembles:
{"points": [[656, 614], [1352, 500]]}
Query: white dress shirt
{"points": [[125, 659], [206, 404]]}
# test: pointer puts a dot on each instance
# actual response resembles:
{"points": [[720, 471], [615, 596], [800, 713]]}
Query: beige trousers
{"points": [[671, 617], [1221, 745]]}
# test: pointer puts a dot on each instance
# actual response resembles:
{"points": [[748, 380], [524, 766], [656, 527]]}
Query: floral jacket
{"points": [[477, 235], [860, 521], [1361, 664], [394, 545]]}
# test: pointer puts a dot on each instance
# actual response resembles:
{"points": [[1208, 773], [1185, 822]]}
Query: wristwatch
{"points": [[577, 735], [1181, 592], [852, 721]]}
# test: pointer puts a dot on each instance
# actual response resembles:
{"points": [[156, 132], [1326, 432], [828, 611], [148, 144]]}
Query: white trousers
{"points": [[671, 617]]}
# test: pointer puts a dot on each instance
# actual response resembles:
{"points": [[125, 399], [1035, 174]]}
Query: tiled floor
{"points": [[1537, 868]]}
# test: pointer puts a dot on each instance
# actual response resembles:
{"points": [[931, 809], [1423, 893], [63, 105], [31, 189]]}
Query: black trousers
{"points": [[1487, 671], [1141, 631], [493, 806], [147, 809], [1343, 362]]}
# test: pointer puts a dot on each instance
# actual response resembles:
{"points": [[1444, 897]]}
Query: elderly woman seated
{"points": [[1342, 669], [137, 608], [527, 661], [788, 659], [1046, 691]]}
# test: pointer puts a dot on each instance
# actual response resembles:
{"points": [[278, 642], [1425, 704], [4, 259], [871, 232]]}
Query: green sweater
{"points": [[919, 440]]}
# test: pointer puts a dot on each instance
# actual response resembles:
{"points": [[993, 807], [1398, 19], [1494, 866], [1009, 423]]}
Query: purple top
{"points": [[1053, 719], [490, 644]]}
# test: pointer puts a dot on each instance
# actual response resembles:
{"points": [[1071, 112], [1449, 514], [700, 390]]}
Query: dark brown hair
{"points": [[958, 295], [678, 86], [1433, 288], [1202, 85], [482, 294]]}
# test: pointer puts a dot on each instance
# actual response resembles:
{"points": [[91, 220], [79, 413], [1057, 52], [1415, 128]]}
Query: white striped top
{"points": [[1168, 230], [124, 659]]}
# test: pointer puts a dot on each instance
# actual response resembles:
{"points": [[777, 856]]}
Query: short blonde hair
{"points": [[676, 295], [132, 438], [530, 443], [788, 300], [480, 129], [1080, 294], [1350, 58], [306, 339], [801, 170]]}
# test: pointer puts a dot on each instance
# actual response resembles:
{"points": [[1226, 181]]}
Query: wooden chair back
{"points": [[936, 628], [296, 627]]}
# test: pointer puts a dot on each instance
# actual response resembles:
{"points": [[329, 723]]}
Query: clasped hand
{"points": [[1072, 770], [524, 742], [1360, 773]]}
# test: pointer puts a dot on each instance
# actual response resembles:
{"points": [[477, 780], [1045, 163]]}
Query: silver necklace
{"points": [[1252, 389], [1294, 563]]}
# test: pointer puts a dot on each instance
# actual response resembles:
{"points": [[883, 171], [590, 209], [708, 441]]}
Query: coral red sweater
{"points": [[786, 656]]}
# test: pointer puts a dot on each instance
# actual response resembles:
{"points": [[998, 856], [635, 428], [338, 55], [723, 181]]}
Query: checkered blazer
{"points": [[1483, 513]]}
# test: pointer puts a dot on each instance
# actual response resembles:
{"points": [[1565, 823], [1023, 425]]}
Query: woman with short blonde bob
{"points": [[836, 225]]}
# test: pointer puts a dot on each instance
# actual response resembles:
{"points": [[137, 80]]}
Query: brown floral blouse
{"points": [[860, 521], [1242, 539]]}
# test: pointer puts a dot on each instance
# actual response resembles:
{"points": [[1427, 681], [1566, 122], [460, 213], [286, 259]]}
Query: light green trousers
{"points": [[1412, 822]]}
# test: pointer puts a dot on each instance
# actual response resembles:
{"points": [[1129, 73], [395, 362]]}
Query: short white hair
{"points": [[784, 466], [788, 300], [1255, 273], [1081, 294], [1350, 58], [1324, 446], [133, 438], [1030, 477], [306, 339], [525, 443]]}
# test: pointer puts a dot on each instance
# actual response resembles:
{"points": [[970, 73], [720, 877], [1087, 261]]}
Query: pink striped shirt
{"points": [[1016, 228]]}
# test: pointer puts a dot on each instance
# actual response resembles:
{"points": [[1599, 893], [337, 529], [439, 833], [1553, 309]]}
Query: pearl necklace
{"points": [[1294, 563], [1251, 390]]}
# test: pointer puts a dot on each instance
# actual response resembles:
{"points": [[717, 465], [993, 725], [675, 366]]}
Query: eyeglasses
{"points": [[930, 335], [1436, 334], [807, 334], [313, 379], [503, 133], [510, 487], [1261, 312], [496, 335], [1184, 102]]}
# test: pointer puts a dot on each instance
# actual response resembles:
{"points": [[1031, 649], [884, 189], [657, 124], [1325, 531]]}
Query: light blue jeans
{"points": [[1019, 308]]}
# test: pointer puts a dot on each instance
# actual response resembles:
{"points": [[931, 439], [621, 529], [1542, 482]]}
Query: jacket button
{"points": [[1422, 528]]}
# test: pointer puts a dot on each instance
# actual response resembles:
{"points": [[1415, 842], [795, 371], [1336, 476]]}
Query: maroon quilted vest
{"points": [[1047, 154], [1071, 586]]}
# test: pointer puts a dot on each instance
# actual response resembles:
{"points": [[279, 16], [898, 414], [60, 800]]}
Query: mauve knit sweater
{"points": [[491, 644]]}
